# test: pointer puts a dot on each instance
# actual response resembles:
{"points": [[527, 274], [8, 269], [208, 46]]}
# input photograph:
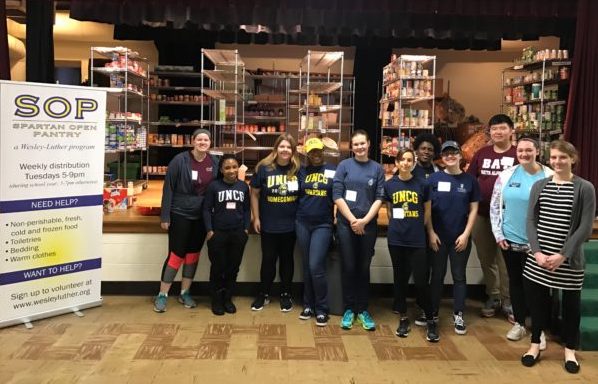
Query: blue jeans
{"points": [[356, 256], [458, 267], [314, 241]]}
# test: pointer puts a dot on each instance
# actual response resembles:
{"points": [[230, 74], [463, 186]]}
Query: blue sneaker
{"points": [[160, 303], [366, 321], [347, 320], [186, 299]]}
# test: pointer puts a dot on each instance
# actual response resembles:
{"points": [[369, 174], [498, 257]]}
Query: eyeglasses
{"points": [[450, 153]]}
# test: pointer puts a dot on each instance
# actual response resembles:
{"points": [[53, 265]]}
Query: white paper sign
{"points": [[329, 173], [398, 213], [444, 186], [351, 195]]}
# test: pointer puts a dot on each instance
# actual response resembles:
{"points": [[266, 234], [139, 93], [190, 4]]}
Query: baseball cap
{"points": [[313, 143], [450, 144]]}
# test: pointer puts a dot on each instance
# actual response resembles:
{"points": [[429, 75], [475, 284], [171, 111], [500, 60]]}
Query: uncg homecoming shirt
{"points": [[315, 194], [407, 198], [278, 198], [451, 196]]}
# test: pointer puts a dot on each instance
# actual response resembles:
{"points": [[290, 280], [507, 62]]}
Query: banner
{"points": [[51, 176]]}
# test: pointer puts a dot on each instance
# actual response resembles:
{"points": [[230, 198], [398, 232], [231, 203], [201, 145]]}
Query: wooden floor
{"points": [[124, 341]]}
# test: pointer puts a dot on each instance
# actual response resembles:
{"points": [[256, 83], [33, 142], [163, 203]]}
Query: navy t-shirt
{"points": [[406, 225], [226, 206], [423, 172], [451, 196], [359, 184], [278, 198], [315, 194]]}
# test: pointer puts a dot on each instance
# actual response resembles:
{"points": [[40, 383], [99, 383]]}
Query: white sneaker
{"points": [[516, 333], [542, 341]]}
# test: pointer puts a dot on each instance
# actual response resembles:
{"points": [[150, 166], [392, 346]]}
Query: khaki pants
{"points": [[491, 259]]}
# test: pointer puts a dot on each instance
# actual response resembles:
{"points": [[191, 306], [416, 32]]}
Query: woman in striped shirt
{"points": [[560, 218]]}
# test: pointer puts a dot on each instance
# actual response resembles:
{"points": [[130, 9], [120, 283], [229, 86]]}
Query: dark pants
{"points": [[225, 250], [515, 262], [277, 247], [458, 268], [314, 241], [539, 304], [185, 239], [404, 261], [356, 256]]}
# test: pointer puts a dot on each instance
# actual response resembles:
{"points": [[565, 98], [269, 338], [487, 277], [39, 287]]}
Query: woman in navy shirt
{"points": [[314, 229], [455, 195], [408, 208], [227, 217], [274, 193], [358, 192]]}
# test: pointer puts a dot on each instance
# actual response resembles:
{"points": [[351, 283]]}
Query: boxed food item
{"points": [[115, 199]]}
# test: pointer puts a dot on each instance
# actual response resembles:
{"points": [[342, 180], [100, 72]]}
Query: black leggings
{"points": [[515, 262], [404, 261], [539, 304], [185, 239], [277, 247], [225, 250]]}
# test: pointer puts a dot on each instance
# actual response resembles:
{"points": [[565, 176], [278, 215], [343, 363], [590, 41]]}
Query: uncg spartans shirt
{"points": [[278, 198], [315, 194], [407, 198], [226, 206], [451, 196]]}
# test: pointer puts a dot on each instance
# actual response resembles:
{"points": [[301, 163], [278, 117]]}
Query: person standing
{"points": [[455, 196], [188, 177], [408, 208], [559, 220], [485, 166], [314, 229], [274, 193], [227, 217], [508, 214], [358, 192], [427, 148]]}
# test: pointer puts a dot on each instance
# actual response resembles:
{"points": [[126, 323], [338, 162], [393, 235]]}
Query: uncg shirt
{"points": [[278, 198], [315, 194], [515, 197], [226, 206], [451, 196], [407, 198]]}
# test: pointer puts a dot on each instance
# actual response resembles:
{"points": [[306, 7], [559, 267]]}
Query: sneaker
{"points": [[432, 332], [490, 307], [347, 320], [516, 333], [322, 320], [160, 302], [186, 299], [306, 314], [404, 327], [460, 328], [366, 320], [507, 310], [229, 306], [421, 320], [259, 302], [542, 341], [286, 302]]}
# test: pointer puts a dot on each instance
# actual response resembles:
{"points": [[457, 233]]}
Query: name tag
{"points": [[293, 185], [194, 175], [351, 195], [444, 186], [231, 205], [398, 213], [329, 173], [507, 161], [515, 185]]}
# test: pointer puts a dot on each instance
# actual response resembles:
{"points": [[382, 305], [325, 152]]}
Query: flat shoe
{"points": [[530, 360], [571, 366]]}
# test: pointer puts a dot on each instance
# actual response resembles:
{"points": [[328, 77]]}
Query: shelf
{"points": [[225, 57], [320, 61], [124, 150], [407, 99], [128, 120], [323, 130], [124, 92], [257, 148], [176, 88], [325, 152], [176, 74], [538, 64], [539, 101], [408, 58], [320, 109], [264, 118], [222, 150], [228, 77], [171, 145], [547, 83], [321, 87], [254, 102], [180, 124], [197, 103], [108, 51], [399, 127], [109, 71], [254, 133], [226, 95], [408, 78], [536, 133]]}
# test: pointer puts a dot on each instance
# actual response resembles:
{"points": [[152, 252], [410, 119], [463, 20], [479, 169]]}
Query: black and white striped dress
{"points": [[554, 221]]}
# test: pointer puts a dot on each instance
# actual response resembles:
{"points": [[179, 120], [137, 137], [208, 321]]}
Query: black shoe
{"points": [[306, 314], [322, 320], [286, 303], [530, 360], [259, 302], [571, 366], [432, 332], [229, 306], [218, 303], [421, 320], [404, 327]]}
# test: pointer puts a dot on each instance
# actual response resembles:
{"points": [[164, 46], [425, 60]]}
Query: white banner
{"points": [[51, 176]]}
